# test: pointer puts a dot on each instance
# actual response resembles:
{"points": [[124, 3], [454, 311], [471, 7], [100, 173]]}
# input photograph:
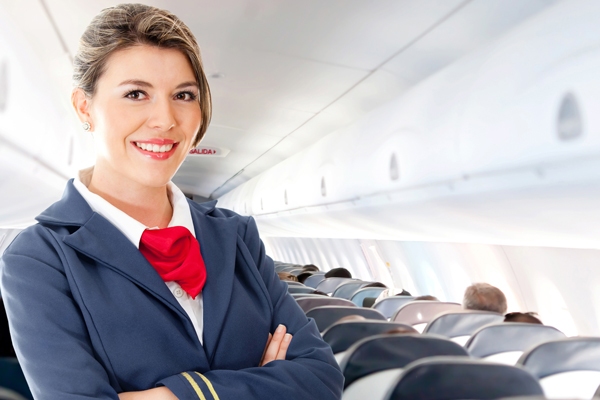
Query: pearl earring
{"points": [[86, 126]]}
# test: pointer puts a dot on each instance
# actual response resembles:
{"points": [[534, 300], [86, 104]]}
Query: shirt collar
{"points": [[130, 227]]}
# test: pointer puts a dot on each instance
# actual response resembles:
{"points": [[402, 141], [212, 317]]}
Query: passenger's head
{"points": [[310, 267], [129, 26], [485, 297], [403, 293], [401, 330], [338, 273], [374, 285], [528, 317], [286, 276], [427, 297], [302, 276]]}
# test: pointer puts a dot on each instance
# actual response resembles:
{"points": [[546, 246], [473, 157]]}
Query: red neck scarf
{"points": [[175, 254]]}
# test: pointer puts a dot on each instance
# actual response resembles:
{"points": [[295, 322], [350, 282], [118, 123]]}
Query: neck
{"points": [[149, 205]]}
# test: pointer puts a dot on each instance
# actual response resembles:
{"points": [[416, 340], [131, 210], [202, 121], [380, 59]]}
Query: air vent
{"points": [[569, 124], [323, 187], [394, 171], [3, 85]]}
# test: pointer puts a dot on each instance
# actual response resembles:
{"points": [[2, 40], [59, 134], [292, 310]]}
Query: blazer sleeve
{"points": [[48, 330], [309, 371]]}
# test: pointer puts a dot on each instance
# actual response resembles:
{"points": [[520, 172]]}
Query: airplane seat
{"points": [[390, 305], [12, 378], [359, 296], [297, 284], [347, 289], [314, 279], [308, 304], [458, 326], [7, 394], [419, 313], [325, 316], [341, 335], [373, 386], [454, 378], [386, 351], [328, 285], [568, 367], [306, 295], [505, 342], [299, 289]]}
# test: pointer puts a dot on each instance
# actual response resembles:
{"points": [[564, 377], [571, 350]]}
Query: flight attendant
{"points": [[124, 289]]}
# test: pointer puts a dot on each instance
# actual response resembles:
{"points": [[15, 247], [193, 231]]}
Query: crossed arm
{"points": [[275, 349]]}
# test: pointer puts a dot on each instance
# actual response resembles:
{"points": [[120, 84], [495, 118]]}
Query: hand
{"points": [[159, 393], [277, 346]]}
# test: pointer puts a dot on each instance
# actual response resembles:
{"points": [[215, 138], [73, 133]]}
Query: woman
{"points": [[101, 303]]}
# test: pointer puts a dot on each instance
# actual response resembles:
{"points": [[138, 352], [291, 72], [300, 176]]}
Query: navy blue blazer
{"points": [[91, 318]]}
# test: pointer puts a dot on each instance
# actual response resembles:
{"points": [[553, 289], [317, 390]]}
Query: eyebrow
{"points": [[149, 85]]}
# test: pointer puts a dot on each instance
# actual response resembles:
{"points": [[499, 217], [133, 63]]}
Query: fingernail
{"points": [[287, 337], [280, 329]]}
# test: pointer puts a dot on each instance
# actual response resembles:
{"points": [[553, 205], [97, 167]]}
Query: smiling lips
{"points": [[158, 149]]}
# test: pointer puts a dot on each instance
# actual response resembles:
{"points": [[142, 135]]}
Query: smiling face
{"points": [[144, 116]]}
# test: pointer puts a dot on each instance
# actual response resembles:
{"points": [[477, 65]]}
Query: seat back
{"points": [[347, 289], [300, 289], [505, 342], [326, 316], [567, 367], [328, 285], [460, 325], [381, 352], [308, 304], [306, 295], [12, 378], [314, 279], [373, 386], [340, 336], [454, 378], [292, 283], [358, 296], [390, 305], [419, 313], [7, 394]]}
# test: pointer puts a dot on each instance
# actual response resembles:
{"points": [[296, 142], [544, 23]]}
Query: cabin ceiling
{"points": [[284, 73]]}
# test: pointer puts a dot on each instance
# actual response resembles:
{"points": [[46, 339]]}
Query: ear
{"points": [[81, 103]]}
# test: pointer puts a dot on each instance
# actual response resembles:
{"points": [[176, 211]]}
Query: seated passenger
{"points": [[338, 273], [286, 276], [527, 317], [302, 276], [310, 267], [427, 297], [485, 297]]}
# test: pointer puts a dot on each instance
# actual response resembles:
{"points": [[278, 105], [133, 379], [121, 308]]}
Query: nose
{"points": [[162, 116]]}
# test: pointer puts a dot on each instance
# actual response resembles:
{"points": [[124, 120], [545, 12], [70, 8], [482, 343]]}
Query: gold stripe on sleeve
{"points": [[194, 385], [210, 386]]}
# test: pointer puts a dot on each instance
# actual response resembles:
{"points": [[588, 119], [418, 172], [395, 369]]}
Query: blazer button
{"points": [[178, 292]]}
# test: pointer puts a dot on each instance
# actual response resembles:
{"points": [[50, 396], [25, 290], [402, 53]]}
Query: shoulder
{"points": [[36, 241]]}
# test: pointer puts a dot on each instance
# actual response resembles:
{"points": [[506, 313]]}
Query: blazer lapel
{"points": [[101, 241], [218, 241]]}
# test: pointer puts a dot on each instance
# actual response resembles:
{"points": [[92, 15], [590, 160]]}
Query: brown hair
{"points": [[127, 25]]}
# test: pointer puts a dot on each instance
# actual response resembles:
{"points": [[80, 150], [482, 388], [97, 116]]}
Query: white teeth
{"points": [[154, 147]]}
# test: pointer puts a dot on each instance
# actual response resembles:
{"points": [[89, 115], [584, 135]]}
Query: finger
{"points": [[273, 347], [285, 343], [262, 359]]}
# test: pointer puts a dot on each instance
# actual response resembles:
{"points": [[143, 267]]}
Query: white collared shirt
{"points": [[133, 229]]}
